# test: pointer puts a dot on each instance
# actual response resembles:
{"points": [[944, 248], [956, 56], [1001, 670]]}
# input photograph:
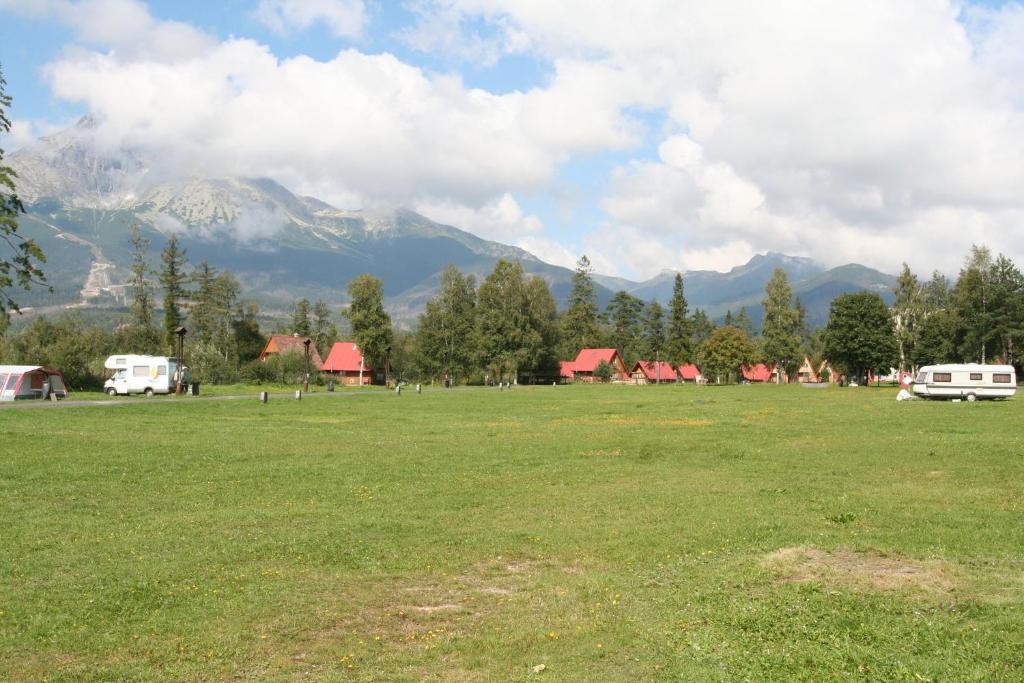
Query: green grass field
{"points": [[570, 533]]}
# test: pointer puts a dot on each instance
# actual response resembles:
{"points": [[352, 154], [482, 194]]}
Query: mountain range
{"points": [[81, 202]]}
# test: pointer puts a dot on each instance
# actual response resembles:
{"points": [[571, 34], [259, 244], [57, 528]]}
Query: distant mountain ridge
{"points": [[82, 202]]}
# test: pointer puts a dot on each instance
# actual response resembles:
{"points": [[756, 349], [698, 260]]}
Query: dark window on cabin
{"points": [[975, 375], [942, 377], [1001, 378]]}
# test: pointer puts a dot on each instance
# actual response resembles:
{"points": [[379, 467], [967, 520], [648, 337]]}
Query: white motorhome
{"points": [[967, 381], [142, 375]]}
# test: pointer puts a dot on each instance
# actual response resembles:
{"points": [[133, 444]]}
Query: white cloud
{"points": [[124, 26], [502, 219], [848, 130], [549, 250], [870, 130], [345, 18], [25, 131]]}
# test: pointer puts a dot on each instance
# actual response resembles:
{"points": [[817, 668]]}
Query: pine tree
{"points": [[300, 318], [743, 322], [142, 300], [172, 279], [653, 331], [702, 326], [203, 314], [624, 313], [324, 331], [728, 321], [249, 341], [780, 331], [680, 332], [579, 322]]}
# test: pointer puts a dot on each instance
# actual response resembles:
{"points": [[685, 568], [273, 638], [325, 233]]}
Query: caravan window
{"points": [[121, 361], [3, 381], [942, 377], [140, 371], [975, 375], [1001, 378]]}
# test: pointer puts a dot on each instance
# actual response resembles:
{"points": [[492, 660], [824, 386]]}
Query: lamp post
{"points": [[305, 376], [180, 333]]}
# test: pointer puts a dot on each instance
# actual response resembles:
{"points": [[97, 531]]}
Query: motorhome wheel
{"points": [[111, 391], [148, 391]]}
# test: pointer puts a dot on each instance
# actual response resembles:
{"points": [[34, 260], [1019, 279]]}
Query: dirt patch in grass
{"points": [[687, 422], [602, 453], [863, 570]]}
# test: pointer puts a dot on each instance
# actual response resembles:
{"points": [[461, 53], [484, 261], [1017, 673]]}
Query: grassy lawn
{"points": [[229, 390], [569, 533]]}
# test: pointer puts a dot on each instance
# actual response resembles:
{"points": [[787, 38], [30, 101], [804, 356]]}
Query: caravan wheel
{"points": [[148, 392], [971, 397]]}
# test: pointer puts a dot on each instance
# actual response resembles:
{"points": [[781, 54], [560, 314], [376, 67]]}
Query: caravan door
{"points": [[120, 381]]}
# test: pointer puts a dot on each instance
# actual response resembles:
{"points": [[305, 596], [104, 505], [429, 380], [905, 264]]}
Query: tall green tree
{"points": [[20, 258], [972, 300], [444, 337], [744, 323], [728, 320], [324, 332], [205, 307], [543, 316], [301, 324], [249, 341], [703, 326], [371, 325], [653, 330], [724, 353], [173, 278], [624, 313], [936, 292], [781, 329], [860, 335], [142, 299], [506, 336], [679, 337], [1007, 312], [908, 314], [936, 339], [579, 322]]}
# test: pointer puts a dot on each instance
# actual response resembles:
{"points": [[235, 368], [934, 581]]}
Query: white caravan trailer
{"points": [[142, 375], [967, 381]]}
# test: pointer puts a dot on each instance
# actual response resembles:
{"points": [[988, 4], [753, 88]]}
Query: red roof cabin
{"points": [[653, 372], [566, 369], [347, 362], [689, 373], [292, 343], [757, 373], [588, 359]]}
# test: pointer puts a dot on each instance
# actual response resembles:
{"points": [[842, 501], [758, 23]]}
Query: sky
{"points": [[652, 135]]}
